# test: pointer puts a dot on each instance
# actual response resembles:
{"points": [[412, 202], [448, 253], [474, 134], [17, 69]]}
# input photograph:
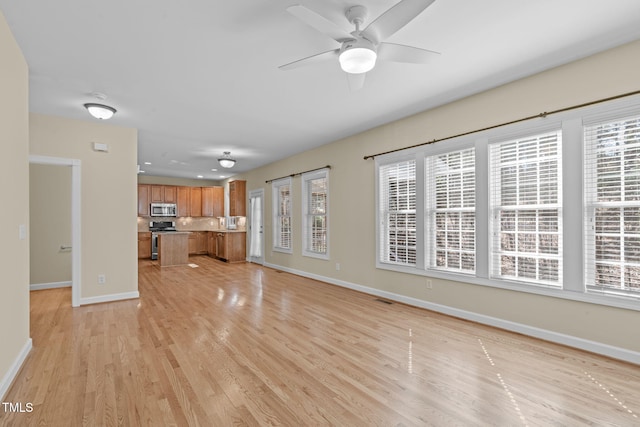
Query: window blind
{"points": [[526, 196], [397, 184], [612, 196], [282, 217], [450, 201], [315, 192]]}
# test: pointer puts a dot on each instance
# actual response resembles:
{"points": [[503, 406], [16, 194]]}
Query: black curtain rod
{"points": [[298, 173], [545, 114]]}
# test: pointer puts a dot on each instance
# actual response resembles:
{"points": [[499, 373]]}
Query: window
{"points": [[612, 196], [282, 215], [526, 196], [450, 208], [315, 190], [397, 213], [549, 206]]}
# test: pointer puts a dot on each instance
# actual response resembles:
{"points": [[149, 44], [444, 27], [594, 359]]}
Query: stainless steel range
{"points": [[159, 226]]}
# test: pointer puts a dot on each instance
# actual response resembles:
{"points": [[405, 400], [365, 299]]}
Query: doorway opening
{"points": [[75, 248]]}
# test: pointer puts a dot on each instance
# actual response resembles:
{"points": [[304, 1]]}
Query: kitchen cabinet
{"points": [[144, 244], [211, 243], [213, 201], [230, 246], [198, 243], [195, 201], [237, 195], [190, 201], [170, 194], [144, 199], [157, 194], [183, 201]]}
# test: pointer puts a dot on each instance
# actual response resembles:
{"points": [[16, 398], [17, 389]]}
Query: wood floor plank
{"points": [[247, 345]]}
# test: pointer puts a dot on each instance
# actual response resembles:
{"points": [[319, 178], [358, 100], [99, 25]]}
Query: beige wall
{"points": [[50, 221], [166, 180], [14, 176], [352, 212], [108, 197]]}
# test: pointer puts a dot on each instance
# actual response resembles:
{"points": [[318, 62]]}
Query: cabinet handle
{"points": [[64, 248]]}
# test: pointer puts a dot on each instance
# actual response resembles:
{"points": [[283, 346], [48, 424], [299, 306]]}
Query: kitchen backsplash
{"points": [[192, 224]]}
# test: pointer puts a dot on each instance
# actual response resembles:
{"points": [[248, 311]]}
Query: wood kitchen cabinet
{"points": [[183, 201], [144, 199], [195, 201], [157, 193], [230, 246], [237, 196], [198, 243], [213, 201], [144, 244], [170, 194]]}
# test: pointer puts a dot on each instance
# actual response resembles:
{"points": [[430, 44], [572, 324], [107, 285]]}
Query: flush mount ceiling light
{"points": [[226, 161], [358, 57], [100, 111]]}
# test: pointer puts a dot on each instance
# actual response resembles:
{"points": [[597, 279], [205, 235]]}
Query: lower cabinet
{"points": [[198, 243], [144, 244], [229, 246]]}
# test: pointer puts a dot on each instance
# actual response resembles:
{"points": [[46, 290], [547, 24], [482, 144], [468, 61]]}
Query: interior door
{"points": [[256, 226]]}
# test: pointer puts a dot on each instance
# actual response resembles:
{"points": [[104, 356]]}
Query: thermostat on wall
{"points": [[100, 147]]}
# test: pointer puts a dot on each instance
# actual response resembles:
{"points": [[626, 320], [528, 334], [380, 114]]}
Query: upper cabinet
{"points": [[213, 201], [170, 194], [144, 199], [184, 201], [196, 201], [190, 201], [237, 195], [157, 193]]}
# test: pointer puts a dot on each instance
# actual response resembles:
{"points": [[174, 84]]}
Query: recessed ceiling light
{"points": [[214, 170], [147, 163], [200, 176]]}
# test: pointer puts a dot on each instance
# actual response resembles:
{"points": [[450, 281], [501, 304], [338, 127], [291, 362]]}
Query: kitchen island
{"points": [[173, 248]]}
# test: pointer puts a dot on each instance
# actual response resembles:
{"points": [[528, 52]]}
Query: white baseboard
{"points": [[14, 369], [568, 340], [109, 298], [52, 285]]}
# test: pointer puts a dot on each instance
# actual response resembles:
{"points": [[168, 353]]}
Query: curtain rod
{"points": [[297, 173], [541, 115]]}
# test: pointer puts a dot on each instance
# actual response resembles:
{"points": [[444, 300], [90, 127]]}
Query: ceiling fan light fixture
{"points": [[226, 161], [357, 60], [100, 111]]}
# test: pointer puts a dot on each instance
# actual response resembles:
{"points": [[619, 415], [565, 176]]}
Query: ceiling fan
{"points": [[359, 50]]}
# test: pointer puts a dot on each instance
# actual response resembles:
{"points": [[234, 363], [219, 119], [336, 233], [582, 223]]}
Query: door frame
{"points": [[258, 193], [76, 250]]}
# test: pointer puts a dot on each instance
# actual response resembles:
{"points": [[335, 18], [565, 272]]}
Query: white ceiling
{"points": [[200, 77]]}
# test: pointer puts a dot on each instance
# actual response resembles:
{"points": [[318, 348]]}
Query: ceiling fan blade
{"points": [[356, 81], [330, 54], [320, 23], [402, 53], [394, 18]]}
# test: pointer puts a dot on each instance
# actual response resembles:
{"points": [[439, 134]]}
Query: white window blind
{"points": [[315, 209], [282, 215], [612, 195], [526, 196], [450, 203], [397, 213]]}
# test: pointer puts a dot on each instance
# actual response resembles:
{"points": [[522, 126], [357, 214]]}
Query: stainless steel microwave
{"points": [[164, 209]]}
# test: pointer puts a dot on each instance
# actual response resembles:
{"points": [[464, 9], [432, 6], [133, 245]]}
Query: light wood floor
{"points": [[240, 344]]}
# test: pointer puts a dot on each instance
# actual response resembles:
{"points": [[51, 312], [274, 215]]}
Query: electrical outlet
{"points": [[102, 279], [429, 285], [337, 266]]}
